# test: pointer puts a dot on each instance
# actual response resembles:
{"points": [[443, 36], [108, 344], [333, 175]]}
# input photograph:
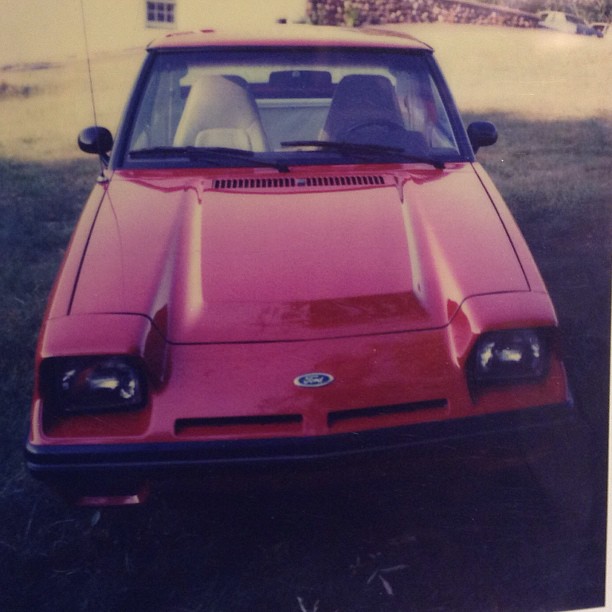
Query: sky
{"points": [[52, 29]]}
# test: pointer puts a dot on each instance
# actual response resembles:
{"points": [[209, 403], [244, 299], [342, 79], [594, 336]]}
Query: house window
{"points": [[161, 14]]}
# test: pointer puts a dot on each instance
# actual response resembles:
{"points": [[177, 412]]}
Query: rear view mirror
{"points": [[481, 134], [96, 140]]}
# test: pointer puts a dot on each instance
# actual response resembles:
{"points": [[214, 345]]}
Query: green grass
{"points": [[555, 177], [39, 205], [245, 553]]}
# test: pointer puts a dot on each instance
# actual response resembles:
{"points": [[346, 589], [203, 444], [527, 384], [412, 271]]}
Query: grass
{"points": [[8, 90], [247, 552], [34, 128], [554, 176], [38, 208], [392, 547]]}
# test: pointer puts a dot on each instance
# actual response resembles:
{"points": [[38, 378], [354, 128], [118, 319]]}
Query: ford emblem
{"points": [[314, 379]]}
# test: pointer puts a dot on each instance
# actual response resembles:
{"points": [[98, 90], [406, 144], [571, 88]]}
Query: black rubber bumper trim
{"points": [[47, 460]]}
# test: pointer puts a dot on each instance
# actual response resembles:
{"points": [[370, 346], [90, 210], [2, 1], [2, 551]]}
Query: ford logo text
{"points": [[314, 379]]}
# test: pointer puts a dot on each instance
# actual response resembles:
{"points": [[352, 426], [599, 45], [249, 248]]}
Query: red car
{"points": [[292, 257]]}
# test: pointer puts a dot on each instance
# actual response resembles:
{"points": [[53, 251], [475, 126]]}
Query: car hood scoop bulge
{"points": [[294, 265], [261, 263]]}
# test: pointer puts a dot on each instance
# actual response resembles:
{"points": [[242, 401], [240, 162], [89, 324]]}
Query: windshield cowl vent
{"points": [[341, 182]]}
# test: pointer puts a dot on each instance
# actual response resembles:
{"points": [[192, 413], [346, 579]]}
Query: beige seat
{"points": [[220, 112]]}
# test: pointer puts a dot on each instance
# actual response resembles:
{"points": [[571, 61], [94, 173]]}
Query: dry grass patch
{"points": [[45, 126]]}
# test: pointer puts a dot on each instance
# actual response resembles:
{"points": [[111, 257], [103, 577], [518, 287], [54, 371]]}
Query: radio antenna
{"points": [[91, 86]]}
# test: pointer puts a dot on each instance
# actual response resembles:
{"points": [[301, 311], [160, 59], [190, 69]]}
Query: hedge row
{"points": [[360, 12]]}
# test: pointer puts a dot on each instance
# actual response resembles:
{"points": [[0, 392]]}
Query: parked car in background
{"points": [[601, 27], [292, 257], [565, 22]]}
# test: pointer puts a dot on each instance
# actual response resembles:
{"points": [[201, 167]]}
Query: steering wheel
{"points": [[387, 124]]}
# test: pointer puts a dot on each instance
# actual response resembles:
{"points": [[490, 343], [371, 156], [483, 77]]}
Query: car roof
{"points": [[285, 35]]}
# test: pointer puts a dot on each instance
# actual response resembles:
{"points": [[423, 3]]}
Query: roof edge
{"points": [[303, 35]]}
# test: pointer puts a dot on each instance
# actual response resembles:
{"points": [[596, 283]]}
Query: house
{"points": [[122, 24]]}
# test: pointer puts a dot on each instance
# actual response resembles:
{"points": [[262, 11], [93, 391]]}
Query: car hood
{"points": [[294, 256]]}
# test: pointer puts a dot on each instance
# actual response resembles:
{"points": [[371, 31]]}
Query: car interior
{"points": [[257, 109]]}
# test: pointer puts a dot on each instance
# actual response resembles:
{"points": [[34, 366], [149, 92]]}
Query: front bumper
{"points": [[112, 474]]}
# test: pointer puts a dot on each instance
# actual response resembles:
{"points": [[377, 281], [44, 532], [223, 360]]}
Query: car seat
{"points": [[220, 112], [361, 99]]}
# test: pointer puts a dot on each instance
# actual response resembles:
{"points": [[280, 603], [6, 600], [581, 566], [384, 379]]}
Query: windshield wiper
{"points": [[214, 155], [365, 150]]}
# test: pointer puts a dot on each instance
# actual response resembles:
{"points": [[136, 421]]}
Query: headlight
{"points": [[510, 356], [92, 384]]}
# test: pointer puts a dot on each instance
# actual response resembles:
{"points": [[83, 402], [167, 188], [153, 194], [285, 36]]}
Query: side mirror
{"points": [[96, 140], [481, 134]]}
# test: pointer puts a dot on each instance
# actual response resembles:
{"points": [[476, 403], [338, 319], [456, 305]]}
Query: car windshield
{"points": [[279, 106]]}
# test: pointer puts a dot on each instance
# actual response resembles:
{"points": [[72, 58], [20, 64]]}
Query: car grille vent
{"points": [[380, 414], [353, 180], [287, 425], [242, 426]]}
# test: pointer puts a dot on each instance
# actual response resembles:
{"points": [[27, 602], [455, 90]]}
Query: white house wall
{"points": [[121, 24]]}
